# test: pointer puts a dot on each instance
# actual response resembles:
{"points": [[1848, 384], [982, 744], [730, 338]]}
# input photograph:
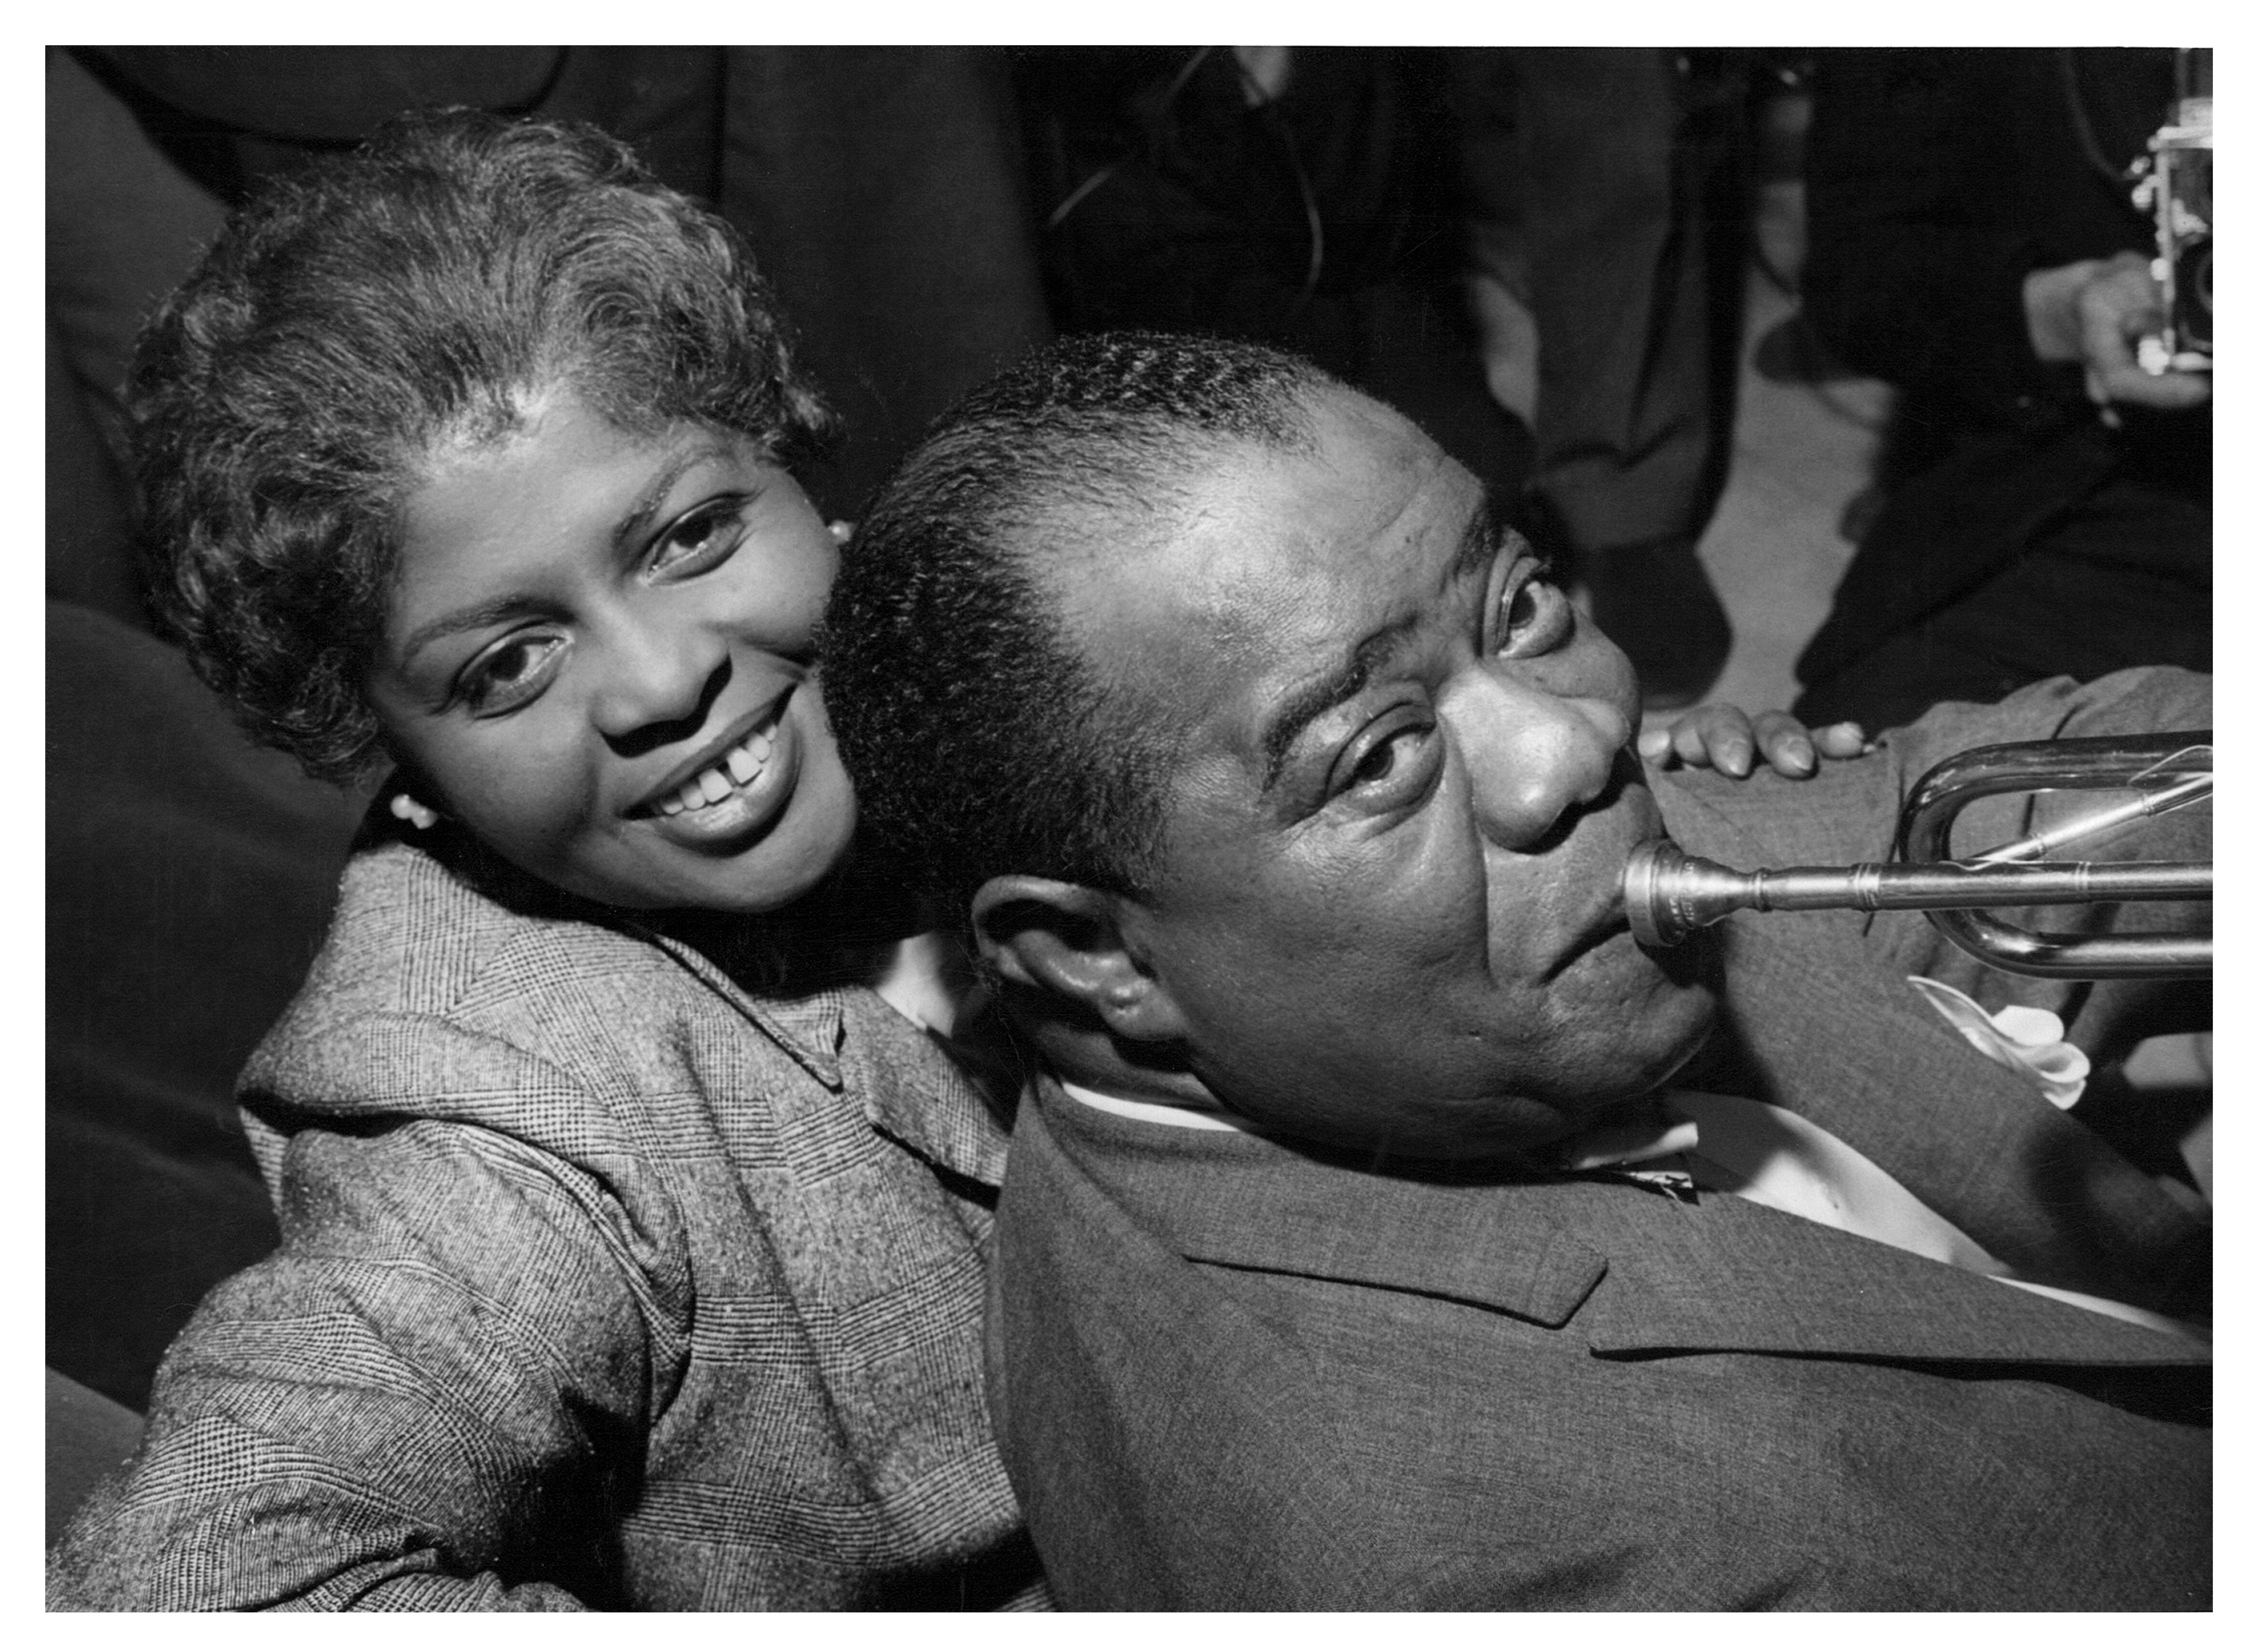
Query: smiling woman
{"points": [[600, 661], [632, 1244]]}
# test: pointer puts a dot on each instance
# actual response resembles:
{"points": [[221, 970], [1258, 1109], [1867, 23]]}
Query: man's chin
{"points": [[1677, 1022], [1683, 1021], [1510, 1131], [1702, 1006], [1529, 1132]]}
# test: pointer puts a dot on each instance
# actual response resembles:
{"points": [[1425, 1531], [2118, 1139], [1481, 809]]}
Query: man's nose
{"points": [[658, 682], [1531, 756]]}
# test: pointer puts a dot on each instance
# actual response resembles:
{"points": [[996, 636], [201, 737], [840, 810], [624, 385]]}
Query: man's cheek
{"points": [[1603, 1015]]}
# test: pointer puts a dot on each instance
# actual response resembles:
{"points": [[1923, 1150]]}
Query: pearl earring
{"points": [[406, 808]]}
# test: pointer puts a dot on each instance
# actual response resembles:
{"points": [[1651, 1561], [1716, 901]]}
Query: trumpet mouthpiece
{"points": [[1669, 894]]}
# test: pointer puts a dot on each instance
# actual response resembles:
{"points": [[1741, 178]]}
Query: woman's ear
{"points": [[1064, 940]]}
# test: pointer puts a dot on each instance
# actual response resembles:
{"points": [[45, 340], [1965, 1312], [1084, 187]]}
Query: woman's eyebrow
{"points": [[477, 618], [626, 532], [632, 526]]}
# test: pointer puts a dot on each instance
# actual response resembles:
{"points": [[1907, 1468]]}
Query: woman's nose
{"points": [[658, 679], [1532, 756]]}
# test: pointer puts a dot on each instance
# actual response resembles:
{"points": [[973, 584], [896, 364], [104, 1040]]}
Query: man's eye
{"points": [[701, 539], [512, 672], [1395, 763], [1534, 615]]}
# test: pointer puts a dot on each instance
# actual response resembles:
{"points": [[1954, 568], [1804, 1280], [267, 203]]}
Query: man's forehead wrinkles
{"points": [[1337, 670], [1250, 609], [1281, 583]]}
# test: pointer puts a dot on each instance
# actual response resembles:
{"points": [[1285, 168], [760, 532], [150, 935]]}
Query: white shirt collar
{"points": [[1155, 1111]]}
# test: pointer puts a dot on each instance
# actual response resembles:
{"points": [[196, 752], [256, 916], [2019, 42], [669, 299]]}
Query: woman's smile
{"points": [[601, 657], [737, 793]]}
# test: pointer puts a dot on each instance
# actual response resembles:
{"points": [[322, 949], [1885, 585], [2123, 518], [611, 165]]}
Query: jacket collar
{"points": [[1632, 1269], [949, 1101], [809, 1028], [845, 1037], [850, 1040]]}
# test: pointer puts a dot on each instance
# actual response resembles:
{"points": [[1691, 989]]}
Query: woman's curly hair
{"points": [[357, 316]]}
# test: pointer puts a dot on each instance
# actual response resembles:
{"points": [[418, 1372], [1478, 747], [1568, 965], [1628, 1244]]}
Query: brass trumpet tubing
{"points": [[1669, 894], [2074, 957], [1947, 884], [2104, 822], [2108, 764]]}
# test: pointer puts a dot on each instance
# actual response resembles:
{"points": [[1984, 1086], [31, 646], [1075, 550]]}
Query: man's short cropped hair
{"points": [[359, 317], [979, 743]]}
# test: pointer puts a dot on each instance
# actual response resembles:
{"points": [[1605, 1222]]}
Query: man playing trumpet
{"points": [[1392, 1229]]}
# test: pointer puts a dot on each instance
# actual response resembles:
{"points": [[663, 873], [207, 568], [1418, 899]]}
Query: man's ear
{"points": [[1065, 940]]}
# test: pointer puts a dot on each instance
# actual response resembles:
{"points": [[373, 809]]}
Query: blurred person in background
{"points": [[2047, 502], [1608, 198]]}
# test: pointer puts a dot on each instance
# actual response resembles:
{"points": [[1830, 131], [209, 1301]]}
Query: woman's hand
{"points": [[1724, 738]]}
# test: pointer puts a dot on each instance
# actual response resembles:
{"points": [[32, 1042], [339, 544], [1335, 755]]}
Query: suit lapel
{"points": [[1244, 1201], [1632, 1271], [1470, 1244], [1728, 1275]]}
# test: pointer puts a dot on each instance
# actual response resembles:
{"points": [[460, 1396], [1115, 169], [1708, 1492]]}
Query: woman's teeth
{"points": [[739, 766]]}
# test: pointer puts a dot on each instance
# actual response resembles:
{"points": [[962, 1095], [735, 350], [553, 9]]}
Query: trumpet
{"points": [[1669, 894]]}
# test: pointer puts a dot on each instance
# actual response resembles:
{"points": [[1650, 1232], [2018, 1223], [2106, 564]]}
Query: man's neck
{"points": [[1092, 1058]]}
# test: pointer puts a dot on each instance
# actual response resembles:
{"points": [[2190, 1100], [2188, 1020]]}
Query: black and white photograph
{"points": [[1396, 826]]}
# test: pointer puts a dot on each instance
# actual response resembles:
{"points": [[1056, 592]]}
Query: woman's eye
{"points": [[1534, 616], [512, 672], [701, 539]]}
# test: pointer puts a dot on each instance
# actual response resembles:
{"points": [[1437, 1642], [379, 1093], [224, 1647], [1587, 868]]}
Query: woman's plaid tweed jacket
{"points": [[603, 1282]]}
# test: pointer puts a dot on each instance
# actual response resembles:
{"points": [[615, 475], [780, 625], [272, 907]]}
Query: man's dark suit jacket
{"points": [[1228, 1373]]}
